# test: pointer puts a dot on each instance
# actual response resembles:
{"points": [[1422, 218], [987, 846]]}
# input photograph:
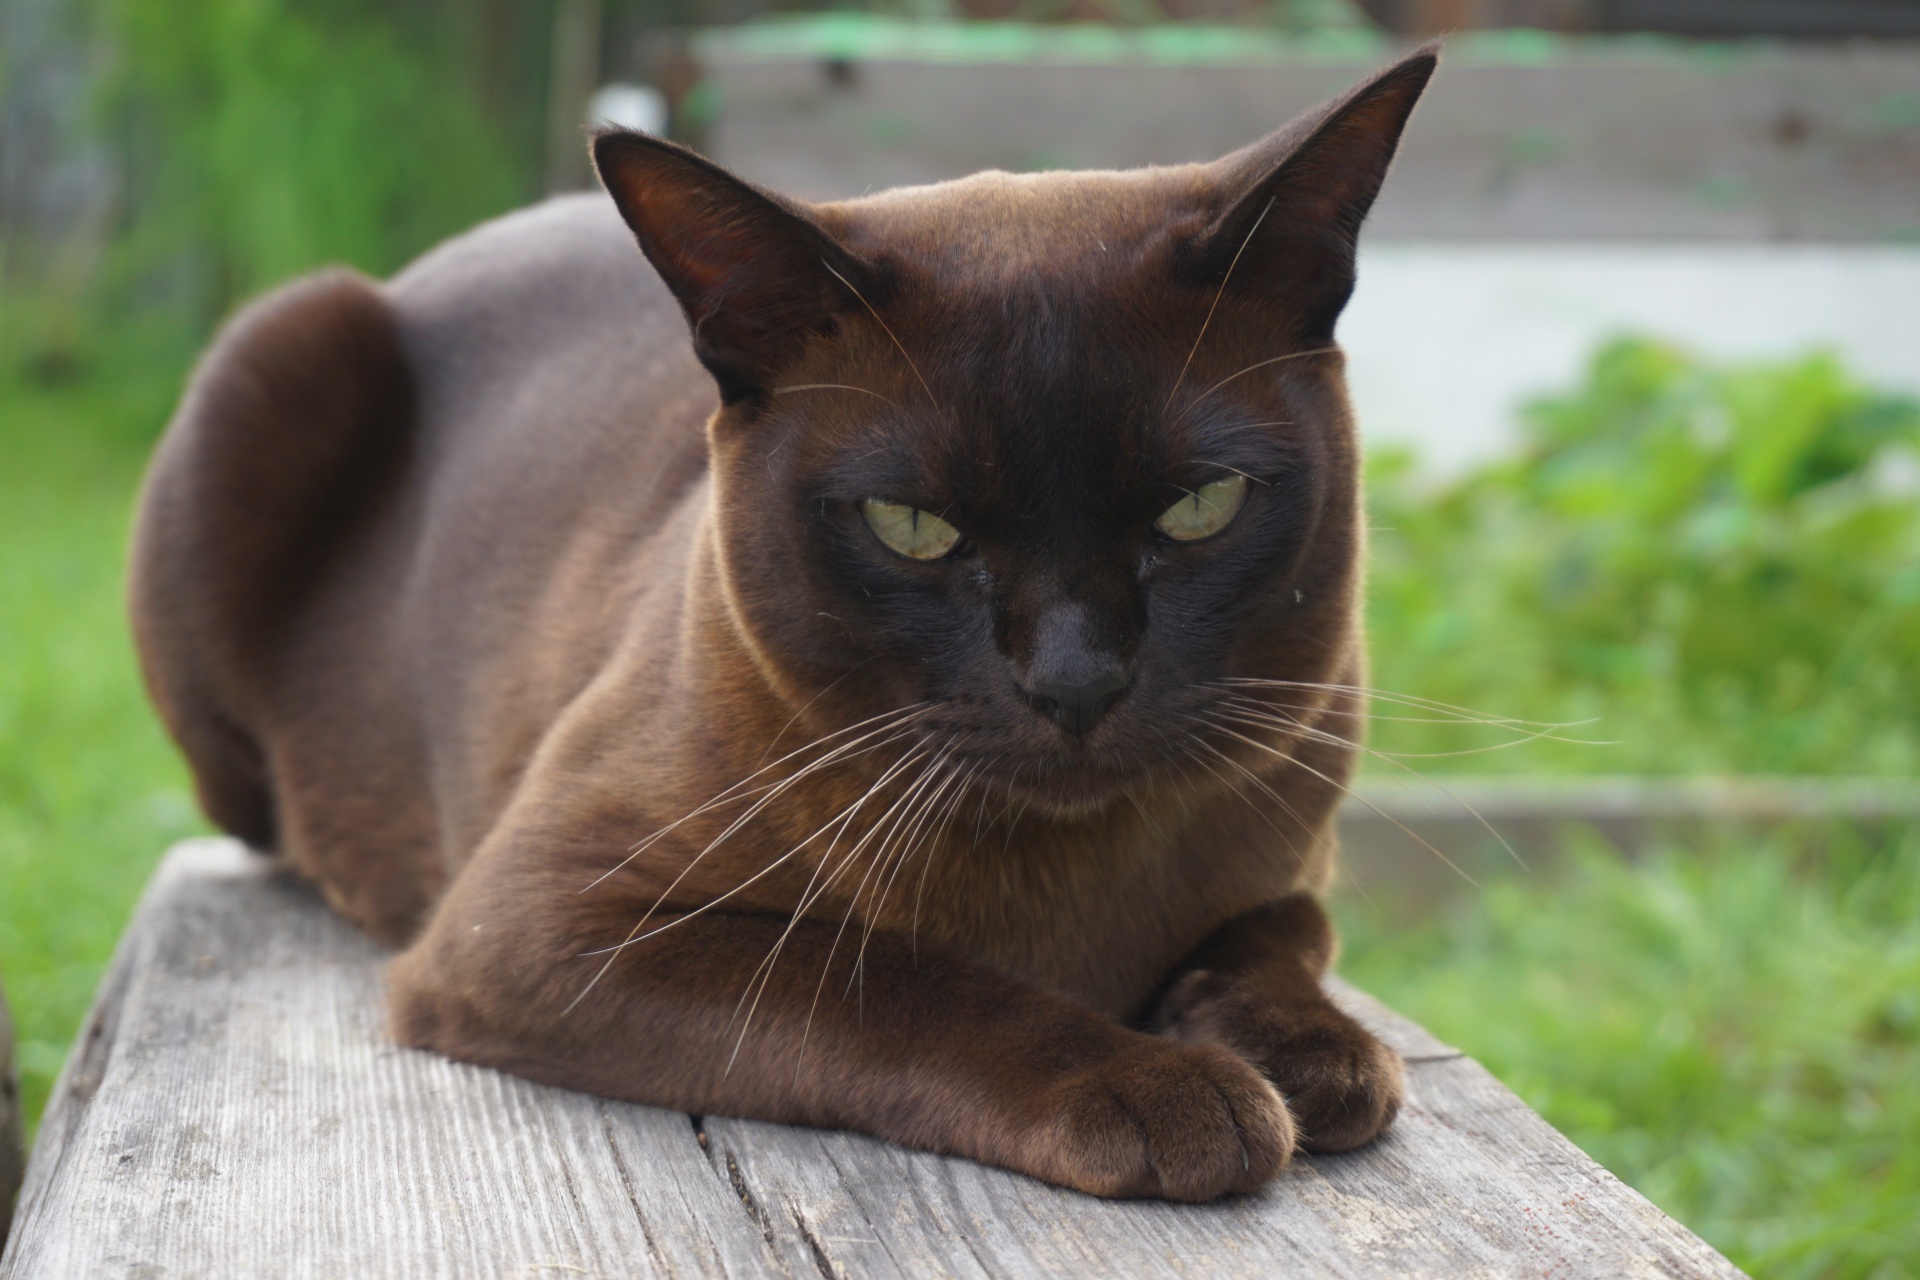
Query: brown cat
{"points": [[935, 736]]}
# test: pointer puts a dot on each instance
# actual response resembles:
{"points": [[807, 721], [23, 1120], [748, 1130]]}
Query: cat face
{"points": [[1046, 457]]}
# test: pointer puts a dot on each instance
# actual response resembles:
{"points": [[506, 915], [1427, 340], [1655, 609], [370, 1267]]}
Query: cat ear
{"points": [[1294, 201], [753, 272]]}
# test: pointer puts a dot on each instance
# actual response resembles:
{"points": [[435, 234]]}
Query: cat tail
{"points": [[293, 426]]}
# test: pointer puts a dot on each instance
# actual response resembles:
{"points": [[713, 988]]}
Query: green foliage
{"points": [[1732, 1029], [260, 138], [91, 792], [1719, 567]]}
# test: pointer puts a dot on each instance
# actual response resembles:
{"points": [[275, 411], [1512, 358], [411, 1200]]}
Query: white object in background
{"points": [[631, 106], [1444, 342]]}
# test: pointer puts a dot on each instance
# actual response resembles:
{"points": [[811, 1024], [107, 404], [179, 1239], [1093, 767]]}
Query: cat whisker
{"points": [[732, 793], [1373, 716], [1144, 815], [634, 936], [1275, 708], [809, 896], [1344, 789], [756, 876], [931, 843], [1291, 812], [841, 822], [1246, 475], [1287, 723], [833, 386], [847, 751], [1402, 699], [809, 704], [1258, 364], [762, 975], [900, 841], [1527, 731], [1298, 857], [887, 328], [1218, 294], [913, 931]]}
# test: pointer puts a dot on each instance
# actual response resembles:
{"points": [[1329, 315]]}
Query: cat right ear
{"points": [[753, 272], [1294, 201]]}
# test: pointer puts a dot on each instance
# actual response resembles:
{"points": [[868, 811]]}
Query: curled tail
{"points": [[293, 425]]}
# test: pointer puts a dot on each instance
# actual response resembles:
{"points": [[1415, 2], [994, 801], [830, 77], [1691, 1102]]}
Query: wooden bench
{"points": [[232, 1108]]}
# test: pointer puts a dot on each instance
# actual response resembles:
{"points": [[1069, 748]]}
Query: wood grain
{"points": [[233, 1109]]}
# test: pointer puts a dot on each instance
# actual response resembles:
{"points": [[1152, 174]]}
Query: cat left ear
{"points": [[753, 272], [1294, 201]]}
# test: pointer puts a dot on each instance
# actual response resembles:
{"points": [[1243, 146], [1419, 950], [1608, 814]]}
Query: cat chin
{"points": [[1071, 795]]}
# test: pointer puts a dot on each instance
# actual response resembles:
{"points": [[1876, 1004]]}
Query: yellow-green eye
{"points": [[915, 534], [1205, 511]]}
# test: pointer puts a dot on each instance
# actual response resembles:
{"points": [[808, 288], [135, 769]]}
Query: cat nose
{"points": [[1081, 700], [1073, 675]]}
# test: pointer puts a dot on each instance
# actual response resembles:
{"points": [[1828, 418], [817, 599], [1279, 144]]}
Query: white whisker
{"points": [[1349, 791]]}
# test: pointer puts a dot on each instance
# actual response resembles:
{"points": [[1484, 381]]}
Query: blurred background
{"points": [[1636, 348]]}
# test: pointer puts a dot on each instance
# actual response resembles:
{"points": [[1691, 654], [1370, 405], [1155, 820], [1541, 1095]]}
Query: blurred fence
{"points": [[1523, 137], [1410, 846], [1806, 19]]}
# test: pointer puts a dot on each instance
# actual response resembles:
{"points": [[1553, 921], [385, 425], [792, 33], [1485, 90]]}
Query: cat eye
{"points": [[915, 534], [1205, 511]]}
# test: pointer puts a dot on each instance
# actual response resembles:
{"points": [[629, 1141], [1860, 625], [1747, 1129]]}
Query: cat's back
{"points": [[556, 402], [550, 302]]}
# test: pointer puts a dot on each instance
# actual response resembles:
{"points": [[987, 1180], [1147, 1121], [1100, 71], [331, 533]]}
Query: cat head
{"points": [[1050, 457]]}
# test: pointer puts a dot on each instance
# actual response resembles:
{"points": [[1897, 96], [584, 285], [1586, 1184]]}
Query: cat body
{"points": [[578, 657]]}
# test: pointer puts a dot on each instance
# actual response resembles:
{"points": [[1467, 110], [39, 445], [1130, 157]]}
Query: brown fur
{"points": [[454, 588]]}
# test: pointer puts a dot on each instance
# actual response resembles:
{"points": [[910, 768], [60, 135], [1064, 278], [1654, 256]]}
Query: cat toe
{"points": [[1177, 1122], [1343, 1086]]}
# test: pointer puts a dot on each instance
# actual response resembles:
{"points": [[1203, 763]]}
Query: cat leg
{"points": [[932, 1050], [1254, 987]]}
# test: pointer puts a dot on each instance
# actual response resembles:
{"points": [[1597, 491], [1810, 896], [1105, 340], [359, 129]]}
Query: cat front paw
{"points": [[1343, 1086], [1167, 1120]]}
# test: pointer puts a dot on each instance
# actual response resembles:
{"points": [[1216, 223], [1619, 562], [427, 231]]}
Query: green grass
{"points": [[90, 790], [1734, 1030]]}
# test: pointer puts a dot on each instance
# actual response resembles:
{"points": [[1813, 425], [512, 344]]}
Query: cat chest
{"points": [[1105, 929]]}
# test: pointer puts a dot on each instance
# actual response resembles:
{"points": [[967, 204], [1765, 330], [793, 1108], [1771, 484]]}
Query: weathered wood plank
{"points": [[12, 1155], [233, 1109], [1470, 1182]]}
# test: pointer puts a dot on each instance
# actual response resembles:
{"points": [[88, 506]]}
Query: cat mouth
{"points": [[1075, 783]]}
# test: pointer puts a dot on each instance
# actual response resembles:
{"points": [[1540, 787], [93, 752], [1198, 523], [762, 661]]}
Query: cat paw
{"points": [[1166, 1120], [1343, 1086]]}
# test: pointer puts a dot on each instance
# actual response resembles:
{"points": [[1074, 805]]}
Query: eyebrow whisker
{"points": [[1258, 364], [1245, 475], [832, 386], [1217, 295], [888, 328]]}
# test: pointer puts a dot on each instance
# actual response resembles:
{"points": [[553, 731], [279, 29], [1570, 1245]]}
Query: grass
{"points": [[1731, 1029], [1734, 1030], [90, 790]]}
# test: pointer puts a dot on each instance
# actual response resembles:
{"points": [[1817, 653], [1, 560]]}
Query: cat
{"points": [[886, 664]]}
